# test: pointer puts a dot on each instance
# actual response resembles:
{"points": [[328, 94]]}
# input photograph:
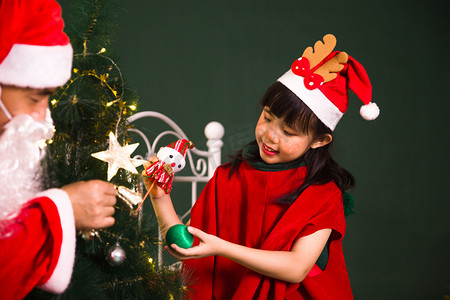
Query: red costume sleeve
{"points": [[38, 249], [242, 210]]}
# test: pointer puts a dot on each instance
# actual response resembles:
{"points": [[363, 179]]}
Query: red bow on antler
{"points": [[301, 67]]}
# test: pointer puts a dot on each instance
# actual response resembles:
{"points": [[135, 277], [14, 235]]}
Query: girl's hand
{"points": [[209, 245], [156, 192]]}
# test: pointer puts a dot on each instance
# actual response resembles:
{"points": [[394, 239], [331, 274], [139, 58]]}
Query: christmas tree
{"points": [[90, 116]]}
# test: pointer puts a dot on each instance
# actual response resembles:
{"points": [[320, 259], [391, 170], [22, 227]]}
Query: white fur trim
{"points": [[369, 111], [37, 66], [60, 278], [324, 109]]}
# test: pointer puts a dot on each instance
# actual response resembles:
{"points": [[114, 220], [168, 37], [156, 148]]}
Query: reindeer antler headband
{"points": [[320, 78]]}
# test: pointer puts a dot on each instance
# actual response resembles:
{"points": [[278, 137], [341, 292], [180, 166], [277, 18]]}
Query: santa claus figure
{"points": [[37, 227]]}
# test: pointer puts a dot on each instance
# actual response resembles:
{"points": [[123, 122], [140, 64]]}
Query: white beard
{"points": [[20, 167]]}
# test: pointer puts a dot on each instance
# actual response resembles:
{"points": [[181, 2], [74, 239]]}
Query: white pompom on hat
{"points": [[369, 111], [321, 79], [34, 50]]}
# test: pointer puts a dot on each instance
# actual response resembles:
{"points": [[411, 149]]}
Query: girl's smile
{"points": [[269, 151]]}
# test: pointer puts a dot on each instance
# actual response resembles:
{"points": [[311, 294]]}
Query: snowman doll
{"points": [[171, 159]]}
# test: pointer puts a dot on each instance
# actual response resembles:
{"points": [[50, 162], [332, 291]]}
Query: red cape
{"points": [[241, 209]]}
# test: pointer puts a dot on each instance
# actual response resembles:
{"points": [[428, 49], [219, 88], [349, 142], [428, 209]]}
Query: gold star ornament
{"points": [[118, 157]]}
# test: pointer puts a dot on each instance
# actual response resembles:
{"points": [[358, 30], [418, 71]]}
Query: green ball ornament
{"points": [[180, 236]]}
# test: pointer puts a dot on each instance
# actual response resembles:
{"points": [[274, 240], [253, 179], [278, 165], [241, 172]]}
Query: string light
{"points": [[102, 77], [41, 143], [112, 102]]}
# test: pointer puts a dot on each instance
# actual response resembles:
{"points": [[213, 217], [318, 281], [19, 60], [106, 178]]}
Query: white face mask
{"points": [[42, 130], [3, 107]]}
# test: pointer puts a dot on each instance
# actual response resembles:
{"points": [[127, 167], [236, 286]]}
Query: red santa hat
{"points": [[181, 146], [34, 50], [321, 78]]}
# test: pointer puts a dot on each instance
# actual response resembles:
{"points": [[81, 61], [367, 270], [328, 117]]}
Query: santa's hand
{"points": [[92, 202], [209, 245]]}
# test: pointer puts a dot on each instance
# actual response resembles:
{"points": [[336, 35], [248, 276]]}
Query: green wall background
{"points": [[199, 61]]}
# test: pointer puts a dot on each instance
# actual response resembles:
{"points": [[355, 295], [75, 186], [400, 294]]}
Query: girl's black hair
{"points": [[321, 168]]}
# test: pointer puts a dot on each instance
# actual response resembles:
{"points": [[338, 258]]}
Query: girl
{"points": [[270, 223]]}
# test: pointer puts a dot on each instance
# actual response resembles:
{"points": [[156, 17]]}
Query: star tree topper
{"points": [[118, 157]]}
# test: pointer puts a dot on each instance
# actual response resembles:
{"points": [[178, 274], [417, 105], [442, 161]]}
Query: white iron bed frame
{"points": [[205, 165]]}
